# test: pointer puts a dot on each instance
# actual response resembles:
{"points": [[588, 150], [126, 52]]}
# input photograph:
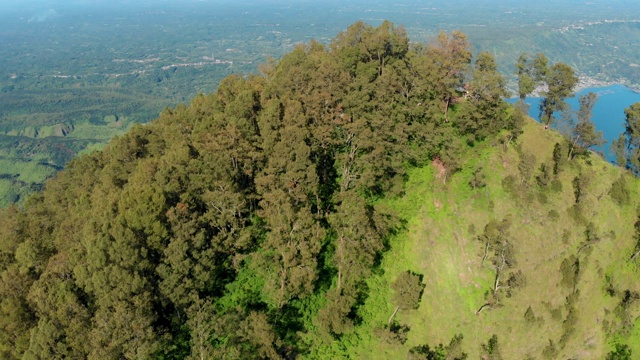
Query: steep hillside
{"points": [[575, 291]]}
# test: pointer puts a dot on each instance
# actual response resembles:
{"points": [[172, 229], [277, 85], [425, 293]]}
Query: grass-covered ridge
{"points": [[583, 319]]}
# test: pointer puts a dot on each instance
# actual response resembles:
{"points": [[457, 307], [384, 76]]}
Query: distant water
{"points": [[608, 113]]}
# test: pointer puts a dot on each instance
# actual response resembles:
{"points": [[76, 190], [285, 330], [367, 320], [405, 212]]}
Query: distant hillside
{"points": [[372, 198]]}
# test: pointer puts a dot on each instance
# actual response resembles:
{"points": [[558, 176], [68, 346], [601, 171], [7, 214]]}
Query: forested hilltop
{"points": [[73, 77], [372, 198]]}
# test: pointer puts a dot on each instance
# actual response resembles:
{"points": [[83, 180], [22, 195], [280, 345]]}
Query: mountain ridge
{"points": [[295, 214]]}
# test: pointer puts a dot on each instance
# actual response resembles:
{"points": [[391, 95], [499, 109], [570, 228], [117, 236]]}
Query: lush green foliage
{"points": [[370, 198], [231, 227]]}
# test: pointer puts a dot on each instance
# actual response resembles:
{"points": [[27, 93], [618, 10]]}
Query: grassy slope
{"points": [[443, 223]]}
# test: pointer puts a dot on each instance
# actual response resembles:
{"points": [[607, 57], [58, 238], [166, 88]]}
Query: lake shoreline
{"points": [[587, 82], [608, 112], [584, 82]]}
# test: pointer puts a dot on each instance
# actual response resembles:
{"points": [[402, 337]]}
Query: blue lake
{"points": [[608, 113]]}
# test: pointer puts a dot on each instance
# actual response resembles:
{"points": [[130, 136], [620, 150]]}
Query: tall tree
{"points": [[584, 134], [499, 250], [540, 68], [450, 59], [619, 148], [531, 73], [632, 134], [560, 82], [526, 83], [484, 111], [408, 289]]}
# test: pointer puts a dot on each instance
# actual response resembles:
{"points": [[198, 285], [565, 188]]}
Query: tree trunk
{"points": [[508, 142], [446, 109], [572, 147], [482, 308], [496, 284], [283, 279], [392, 315], [486, 253], [340, 253]]}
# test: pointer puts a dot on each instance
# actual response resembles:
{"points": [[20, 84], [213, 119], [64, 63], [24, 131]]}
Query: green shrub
{"points": [[621, 352], [620, 191], [529, 316]]}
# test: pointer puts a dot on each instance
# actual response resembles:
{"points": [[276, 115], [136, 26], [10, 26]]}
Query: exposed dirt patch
{"points": [[441, 170], [437, 204]]}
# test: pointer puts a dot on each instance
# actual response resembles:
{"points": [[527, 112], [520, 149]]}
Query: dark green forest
{"points": [[249, 223]]}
